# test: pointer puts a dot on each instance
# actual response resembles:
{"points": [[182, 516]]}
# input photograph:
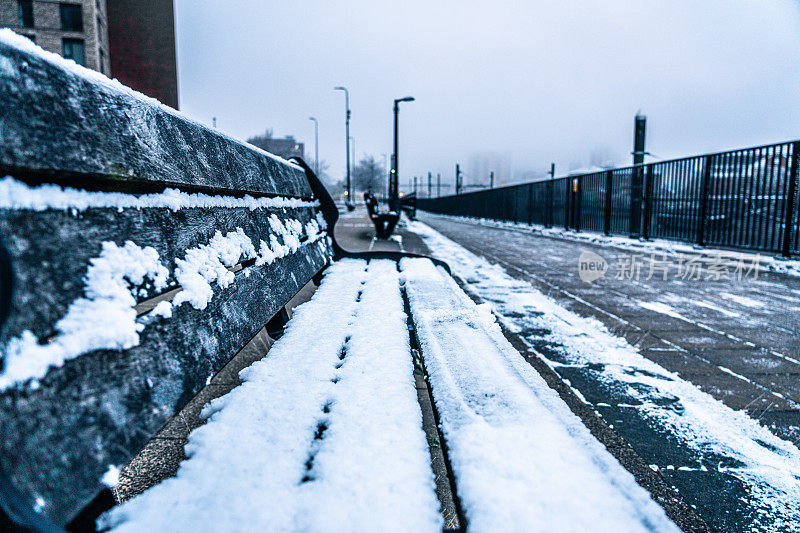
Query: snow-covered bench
{"points": [[128, 298], [145, 250]]}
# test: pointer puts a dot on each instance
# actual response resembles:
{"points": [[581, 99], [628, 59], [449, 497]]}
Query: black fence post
{"points": [[530, 203], [607, 210], [636, 201], [648, 200], [788, 221], [550, 207], [701, 223], [578, 190], [567, 207]]}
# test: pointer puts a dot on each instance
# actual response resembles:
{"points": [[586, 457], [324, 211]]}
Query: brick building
{"points": [[131, 40], [77, 29]]}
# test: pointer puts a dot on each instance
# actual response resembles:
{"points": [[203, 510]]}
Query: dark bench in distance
{"points": [[384, 221]]}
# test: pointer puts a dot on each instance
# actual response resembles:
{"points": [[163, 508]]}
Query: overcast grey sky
{"points": [[541, 81]]}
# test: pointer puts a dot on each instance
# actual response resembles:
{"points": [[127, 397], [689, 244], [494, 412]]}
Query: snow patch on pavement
{"points": [[708, 305], [662, 308], [742, 300]]}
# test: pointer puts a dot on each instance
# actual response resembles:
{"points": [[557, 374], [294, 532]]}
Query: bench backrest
{"points": [[90, 369]]}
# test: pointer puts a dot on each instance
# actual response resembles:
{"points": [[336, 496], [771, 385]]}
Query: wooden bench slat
{"points": [[51, 250], [325, 430], [100, 408], [78, 127]]}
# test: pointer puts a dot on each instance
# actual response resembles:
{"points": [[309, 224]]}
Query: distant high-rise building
{"points": [[131, 40], [482, 164]]}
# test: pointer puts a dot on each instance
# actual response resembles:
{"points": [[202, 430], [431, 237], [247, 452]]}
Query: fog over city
{"points": [[525, 82]]}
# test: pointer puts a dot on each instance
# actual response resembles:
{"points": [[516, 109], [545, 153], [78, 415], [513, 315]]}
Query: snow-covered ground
{"points": [[766, 466]]}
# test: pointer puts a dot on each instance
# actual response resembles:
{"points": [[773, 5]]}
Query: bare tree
{"points": [[333, 186], [370, 176]]}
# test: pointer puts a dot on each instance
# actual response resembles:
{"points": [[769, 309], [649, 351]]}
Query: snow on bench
{"points": [[325, 433], [120, 212], [522, 460]]}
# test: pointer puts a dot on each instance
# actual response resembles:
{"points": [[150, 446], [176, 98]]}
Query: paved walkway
{"points": [[355, 233], [735, 339], [731, 339]]}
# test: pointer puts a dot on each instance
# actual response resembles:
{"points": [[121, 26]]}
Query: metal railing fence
{"points": [[742, 199]]}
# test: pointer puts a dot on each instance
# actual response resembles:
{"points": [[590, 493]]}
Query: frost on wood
{"points": [[208, 263], [17, 195], [103, 319]]}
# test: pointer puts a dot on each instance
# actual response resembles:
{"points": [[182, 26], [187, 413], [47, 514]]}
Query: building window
{"points": [[26, 13], [71, 17], [73, 49]]}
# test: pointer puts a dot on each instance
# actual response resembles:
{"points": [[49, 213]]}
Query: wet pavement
{"points": [[734, 339]]}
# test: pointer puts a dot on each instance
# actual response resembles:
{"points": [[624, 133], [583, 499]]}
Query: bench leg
{"points": [[277, 324]]}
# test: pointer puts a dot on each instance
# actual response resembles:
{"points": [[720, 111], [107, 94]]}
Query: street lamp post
{"points": [[355, 160], [316, 145], [347, 138], [393, 180]]}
